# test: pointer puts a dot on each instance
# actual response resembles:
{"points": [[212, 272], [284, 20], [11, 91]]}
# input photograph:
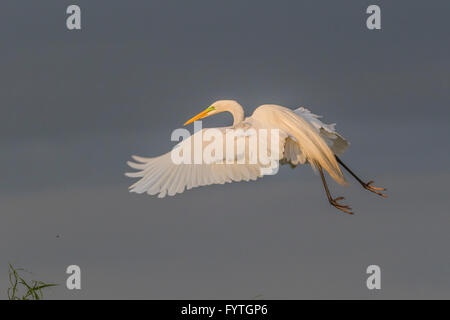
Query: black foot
{"points": [[368, 186], [334, 203]]}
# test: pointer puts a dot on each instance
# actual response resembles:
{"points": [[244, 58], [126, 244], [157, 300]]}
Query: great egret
{"points": [[302, 136]]}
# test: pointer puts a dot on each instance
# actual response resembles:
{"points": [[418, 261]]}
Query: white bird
{"points": [[302, 138]]}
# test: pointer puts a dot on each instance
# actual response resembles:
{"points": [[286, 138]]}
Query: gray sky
{"points": [[77, 104]]}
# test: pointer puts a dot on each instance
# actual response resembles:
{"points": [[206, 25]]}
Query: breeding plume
{"points": [[301, 138]]}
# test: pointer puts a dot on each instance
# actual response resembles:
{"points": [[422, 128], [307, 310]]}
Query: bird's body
{"points": [[301, 137]]}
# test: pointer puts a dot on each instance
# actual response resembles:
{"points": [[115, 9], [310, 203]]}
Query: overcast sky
{"points": [[76, 104]]}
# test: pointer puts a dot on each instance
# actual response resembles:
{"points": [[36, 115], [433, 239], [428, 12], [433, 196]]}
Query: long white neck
{"points": [[236, 111]]}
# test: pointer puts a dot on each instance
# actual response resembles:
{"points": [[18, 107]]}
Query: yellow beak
{"points": [[201, 115]]}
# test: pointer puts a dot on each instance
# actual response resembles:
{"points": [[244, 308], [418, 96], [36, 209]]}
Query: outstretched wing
{"points": [[162, 176]]}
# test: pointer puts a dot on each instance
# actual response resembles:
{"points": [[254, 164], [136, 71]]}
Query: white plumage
{"points": [[302, 138]]}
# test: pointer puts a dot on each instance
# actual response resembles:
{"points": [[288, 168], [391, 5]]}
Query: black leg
{"points": [[333, 202], [368, 185]]}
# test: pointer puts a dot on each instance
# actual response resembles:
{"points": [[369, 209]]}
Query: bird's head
{"points": [[217, 107]]}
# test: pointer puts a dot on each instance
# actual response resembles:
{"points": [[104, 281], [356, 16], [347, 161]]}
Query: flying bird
{"points": [[302, 138]]}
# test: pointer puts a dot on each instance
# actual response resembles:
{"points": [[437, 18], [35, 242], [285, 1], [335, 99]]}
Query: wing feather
{"points": [[335, 141], [161, 176]]}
